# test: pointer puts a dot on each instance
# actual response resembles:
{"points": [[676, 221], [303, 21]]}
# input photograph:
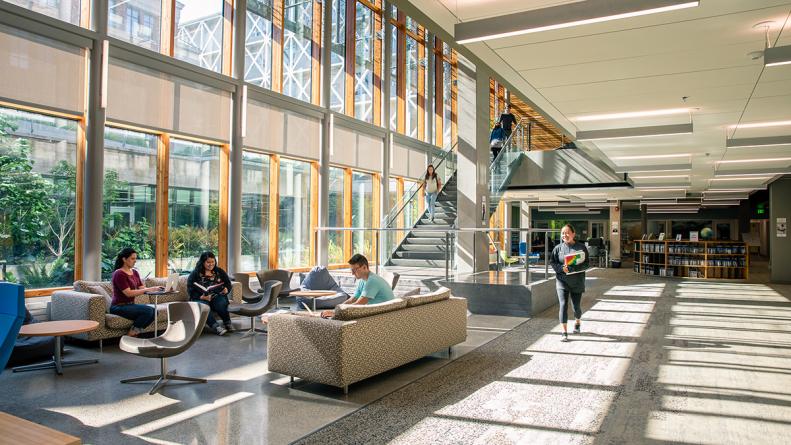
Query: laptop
{"points": [[170, 286]]}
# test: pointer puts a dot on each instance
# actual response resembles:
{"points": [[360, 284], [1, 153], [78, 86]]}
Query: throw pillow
{"points": [[411, 293], [100, 290], [443, 293], [319, 278], [347, 312]]}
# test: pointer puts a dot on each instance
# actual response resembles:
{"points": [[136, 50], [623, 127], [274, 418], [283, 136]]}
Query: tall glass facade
{"points": [[258, 43], [294, 225], [298, 31], [193, 202], [66, 10], [199, 33], [38, 170], [337, 93], [362, 214], [336, 209], [364, 64], [255, 211], [136, 21]]}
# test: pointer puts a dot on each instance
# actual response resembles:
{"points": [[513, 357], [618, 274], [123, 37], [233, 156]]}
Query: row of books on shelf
{"points": [[684, 248], [726, 250], [657, 270], [653, 248], [727, 262], [684, 261]]}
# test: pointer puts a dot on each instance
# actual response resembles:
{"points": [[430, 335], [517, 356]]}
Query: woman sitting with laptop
{"points": [[126, 286], [209, 284]]}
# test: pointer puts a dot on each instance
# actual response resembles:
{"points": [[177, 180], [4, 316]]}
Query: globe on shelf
{"points": [[706, 233]]}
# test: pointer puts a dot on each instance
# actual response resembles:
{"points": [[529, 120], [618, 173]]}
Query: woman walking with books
{"points": [[210, 285], [569, 259]]}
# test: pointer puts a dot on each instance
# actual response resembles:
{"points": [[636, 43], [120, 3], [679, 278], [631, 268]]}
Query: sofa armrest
{"points": [[306, 347], [236, 293], [73, 305]]}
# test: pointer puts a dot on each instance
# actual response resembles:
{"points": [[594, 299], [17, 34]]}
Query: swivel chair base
{"points": [[163, 378], [253, 330]]}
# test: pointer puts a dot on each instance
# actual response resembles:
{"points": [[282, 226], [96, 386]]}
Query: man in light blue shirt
{"points": [[371, 288]]}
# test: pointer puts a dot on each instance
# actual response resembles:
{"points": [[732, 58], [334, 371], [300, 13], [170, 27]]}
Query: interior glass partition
{"points": [[193, 202], [294, 224], [129, 196], [38, 170], [255, 211]]}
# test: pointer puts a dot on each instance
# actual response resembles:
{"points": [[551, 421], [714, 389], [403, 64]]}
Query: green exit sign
{"points": [[761, 211]]}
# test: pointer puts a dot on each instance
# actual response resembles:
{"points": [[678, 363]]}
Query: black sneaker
{"points": [[229, 327], [577, 328], [564, 337], [219, 329]]}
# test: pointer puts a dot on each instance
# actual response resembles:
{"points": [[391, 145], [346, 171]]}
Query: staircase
{"points": [[428, 249]]}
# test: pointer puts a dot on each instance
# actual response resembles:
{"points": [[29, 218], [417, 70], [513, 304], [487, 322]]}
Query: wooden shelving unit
{"points": [[724, 260]]}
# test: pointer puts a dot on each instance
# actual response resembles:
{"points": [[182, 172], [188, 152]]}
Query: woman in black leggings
{"points": [[570, 279]]}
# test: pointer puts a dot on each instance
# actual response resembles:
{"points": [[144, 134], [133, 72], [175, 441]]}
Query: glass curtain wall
{"points": [[255, 211], [258, 43], [411, 85], [447, 104], [297, 24], [294, 226], [38, 171], [336, 209], [393, 72], [338, 59], [130, 198], [66, 10], [136, 21], [193, 202], [412, 209], [199, 30], [362, 214], [364, 64]]}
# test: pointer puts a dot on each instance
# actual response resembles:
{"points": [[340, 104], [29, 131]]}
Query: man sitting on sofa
{"points": [[371, 288]]}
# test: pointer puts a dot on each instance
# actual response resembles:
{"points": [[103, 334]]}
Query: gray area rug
{"points": [[633, 375]]}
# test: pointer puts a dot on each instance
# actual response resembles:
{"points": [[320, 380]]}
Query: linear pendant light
{"points": [[767, 141], [562, 16], [635, 132], [779, 55]]}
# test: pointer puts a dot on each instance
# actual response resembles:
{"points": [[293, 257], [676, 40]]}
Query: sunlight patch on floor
{"points": [[103, 414]]}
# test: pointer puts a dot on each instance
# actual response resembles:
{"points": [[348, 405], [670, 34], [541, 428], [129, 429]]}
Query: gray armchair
{"points": [[186, 323], [248, 294], [391, 278], [281, 275], [271, 289]]}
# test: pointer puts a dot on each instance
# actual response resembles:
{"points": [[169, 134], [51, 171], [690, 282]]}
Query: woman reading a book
{"points": [[209, 284], [569, 259]]}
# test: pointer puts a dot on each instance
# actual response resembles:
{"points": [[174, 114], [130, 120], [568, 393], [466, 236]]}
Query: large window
{"points": [[412, 209], [199, 33], [258, 43], [364, 64], [297, 21], [393, 75], [193, 202], [255, 211], [294, 226], [337, 94], [447, 99], [412, 87], [38, 158], [66, 10], [363, 214], [136, 21], [129, 210], [336, 211]]}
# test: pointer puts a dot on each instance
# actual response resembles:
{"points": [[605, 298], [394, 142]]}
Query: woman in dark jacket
{"points": [[209, 284], [570, 279]]}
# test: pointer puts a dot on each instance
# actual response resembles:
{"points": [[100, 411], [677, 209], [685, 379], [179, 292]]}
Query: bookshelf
{"points": [[724, 260]]}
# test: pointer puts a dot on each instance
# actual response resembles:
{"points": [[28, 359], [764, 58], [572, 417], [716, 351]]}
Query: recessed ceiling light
{"points": [[724, 175], [631, 114], [761, 124], [639, 157], [562, 16], [635, 132]]}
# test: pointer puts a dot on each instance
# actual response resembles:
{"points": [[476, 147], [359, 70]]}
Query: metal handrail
{"points": [[388, 220], [447, 233]]}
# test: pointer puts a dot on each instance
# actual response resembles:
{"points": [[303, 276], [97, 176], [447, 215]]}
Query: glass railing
{"points": [[504, 164]]}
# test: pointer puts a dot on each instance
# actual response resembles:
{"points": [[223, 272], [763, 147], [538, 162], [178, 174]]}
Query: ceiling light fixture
{"points": [[743, 178], [561, 16], [632, 114], [635, 132], [727, 175], [751, 160], [779, 55], [667, 170], [663, 189], [761, 124], [730, 190], [660, 177], [767, 141], [640, 157]]}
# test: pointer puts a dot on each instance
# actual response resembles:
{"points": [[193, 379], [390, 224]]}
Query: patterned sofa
{"points": [[363, 341], [90, 300]]}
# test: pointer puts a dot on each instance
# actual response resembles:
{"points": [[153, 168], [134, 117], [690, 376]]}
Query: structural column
{"points": [[322, 252], [643, 218], [615, 231], [472, 251], [779, 241], [94, 154], [238, 133]]}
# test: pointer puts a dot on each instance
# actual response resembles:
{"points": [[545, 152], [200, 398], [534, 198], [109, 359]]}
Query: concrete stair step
{"points": [[424, 241], [409, 255], [423, 247], [418, 263]]}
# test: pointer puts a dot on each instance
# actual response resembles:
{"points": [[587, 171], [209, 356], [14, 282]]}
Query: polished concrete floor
{"points": [[241, 403], [659, 361]]}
